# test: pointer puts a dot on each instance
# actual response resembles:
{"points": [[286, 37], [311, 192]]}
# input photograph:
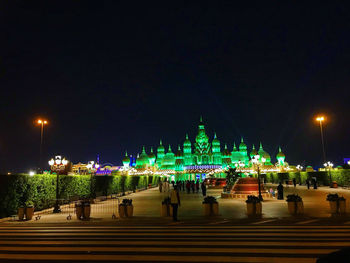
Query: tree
{"points": [[231, 177]]}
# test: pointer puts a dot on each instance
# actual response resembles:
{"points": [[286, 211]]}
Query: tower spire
{"points": [[160, 142], [186, 136], [242, 139], [214, 135], [201, 119]]}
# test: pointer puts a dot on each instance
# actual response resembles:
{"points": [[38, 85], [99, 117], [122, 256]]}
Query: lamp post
{"points": [[92, 167], [57, 165], [240, 165], [257, 163], [329, 165], [42, 123], [321, 119], [299, 168]]}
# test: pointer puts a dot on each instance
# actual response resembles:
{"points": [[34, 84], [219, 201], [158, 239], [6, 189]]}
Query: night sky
{"points": [[112, 76]]}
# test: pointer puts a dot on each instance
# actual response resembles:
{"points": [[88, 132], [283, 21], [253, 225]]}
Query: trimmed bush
{"points": [[342, 177], [16, 190]]}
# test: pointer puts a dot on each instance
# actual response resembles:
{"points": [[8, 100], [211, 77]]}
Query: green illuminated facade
{"points": [[200, 158]]}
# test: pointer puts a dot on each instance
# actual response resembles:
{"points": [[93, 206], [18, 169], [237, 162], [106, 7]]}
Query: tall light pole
{"points": [[321, 119], [42, 123], [92, 167], [58, 165], [329, 166], [257, 164]]}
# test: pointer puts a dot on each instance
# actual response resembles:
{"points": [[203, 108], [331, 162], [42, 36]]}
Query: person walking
{"points": [[204, 189], [175, 201], [315, 183], [160, 186], [308, 184], [188, 187], [280, 191], [295, 182], [197, 186], [192, 186]]}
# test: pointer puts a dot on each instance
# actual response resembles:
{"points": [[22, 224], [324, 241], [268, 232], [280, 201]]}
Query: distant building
{"points": [[202, 158]]}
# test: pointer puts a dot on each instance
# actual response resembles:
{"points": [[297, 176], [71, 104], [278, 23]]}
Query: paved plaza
{"points": [[147, 206], [147, 237]]}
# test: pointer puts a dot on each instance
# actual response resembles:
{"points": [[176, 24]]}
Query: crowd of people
{"points": [[188, 186], [192, 186]]}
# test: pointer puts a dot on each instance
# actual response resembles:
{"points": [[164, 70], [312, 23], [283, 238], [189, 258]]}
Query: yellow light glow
{"points": [[320, 118], [42, 122]]}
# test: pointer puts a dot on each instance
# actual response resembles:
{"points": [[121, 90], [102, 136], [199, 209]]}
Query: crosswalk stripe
{"points": [[249, 243], [307, 221], [157, 258], [263, 222]]}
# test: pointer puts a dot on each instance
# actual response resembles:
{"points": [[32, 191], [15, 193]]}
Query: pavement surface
{"points": [[147, 209], [147, 237]]}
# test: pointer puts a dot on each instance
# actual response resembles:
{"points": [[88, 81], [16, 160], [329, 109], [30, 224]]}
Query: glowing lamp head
{"points": [[31, 173], [51, 162], [320, 119], [97, 166], [40, 121], [45, 122], [263, 159], [58, 161], [64, 162]]}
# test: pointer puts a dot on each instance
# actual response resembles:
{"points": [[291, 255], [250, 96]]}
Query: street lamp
{"points": [[240, 165], [57, 165], [321, 119], [42, 123], [299, 168], [329, 165], [257, 163], [92, 167]]}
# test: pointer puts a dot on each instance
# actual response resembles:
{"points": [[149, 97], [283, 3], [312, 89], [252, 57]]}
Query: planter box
{"points": [[296, 208], [211, 209], [342, 207], [334, 184], [126, 211], [166, 210], [87, 212], [258, 209], [254, 209], [21, 213], [334, 207], [29, 213], [79, 211]]}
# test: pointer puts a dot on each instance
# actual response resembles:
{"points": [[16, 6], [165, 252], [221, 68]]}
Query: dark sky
{"points": [[112, 76]]}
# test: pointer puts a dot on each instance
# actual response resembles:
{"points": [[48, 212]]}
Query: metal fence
{"points": [[103, 207]]}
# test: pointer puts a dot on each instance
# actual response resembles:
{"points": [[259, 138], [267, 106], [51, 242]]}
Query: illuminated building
{"points": [[202, 158]]}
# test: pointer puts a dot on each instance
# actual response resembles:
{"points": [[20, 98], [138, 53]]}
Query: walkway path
{"points": [[147, 206]]}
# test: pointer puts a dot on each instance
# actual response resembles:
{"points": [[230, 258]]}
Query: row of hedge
{"points": [[342, 177], [16, 190]]}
